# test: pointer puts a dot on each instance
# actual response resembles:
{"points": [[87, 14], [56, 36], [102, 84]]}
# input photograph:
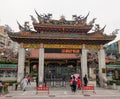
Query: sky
{"points": [[106, 11]]}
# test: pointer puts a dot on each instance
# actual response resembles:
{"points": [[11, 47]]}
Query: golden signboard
{"points": [[61, 46], [31, 45], [92, 46]]}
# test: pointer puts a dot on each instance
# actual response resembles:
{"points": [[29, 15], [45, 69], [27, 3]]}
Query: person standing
{"points": [[71, 82], [79, 83], [37, 81], [74, 84], [24, 83], [85, 80], [0, 87], [97, 81], [28, 78]]}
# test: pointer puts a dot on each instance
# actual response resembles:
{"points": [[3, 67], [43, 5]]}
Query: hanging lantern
{"points": [[34, 67]]}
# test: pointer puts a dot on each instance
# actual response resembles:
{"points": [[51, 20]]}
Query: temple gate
{"points": [[62, 42]]}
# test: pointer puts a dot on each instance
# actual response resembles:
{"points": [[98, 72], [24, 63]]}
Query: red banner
{"points": [[42, 88], [87, 87]]}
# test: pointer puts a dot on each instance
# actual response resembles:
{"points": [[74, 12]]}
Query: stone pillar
{"points": [[84, 62], [78, 68], [21, 63], [102, 65], [28, 69], [41, 65]]}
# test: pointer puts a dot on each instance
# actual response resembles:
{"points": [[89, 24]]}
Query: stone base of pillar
{"points": [[41, 84], [103, 81]]}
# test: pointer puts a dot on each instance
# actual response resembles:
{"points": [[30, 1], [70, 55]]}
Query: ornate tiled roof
{"points": [[61, 31], [60, 38]]}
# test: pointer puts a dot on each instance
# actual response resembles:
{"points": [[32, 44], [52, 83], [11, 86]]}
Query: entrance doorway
{"points": [[54, 71]]}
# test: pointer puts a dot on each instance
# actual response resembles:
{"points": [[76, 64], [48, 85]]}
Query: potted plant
{"points": [[5, 87]]}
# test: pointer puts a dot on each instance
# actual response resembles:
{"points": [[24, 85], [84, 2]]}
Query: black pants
{"points": [[74, 88]]}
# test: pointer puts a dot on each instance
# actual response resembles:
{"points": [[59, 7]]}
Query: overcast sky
{"points": [[107, 12]]}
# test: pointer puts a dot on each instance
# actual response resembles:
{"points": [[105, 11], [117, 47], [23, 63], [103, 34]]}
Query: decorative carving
{"points": [[40, 18], [115, 31], [61, 46], [97, 29], [92, 47], [92, 22], [78, 19], [62, 19], [43, 18], [41, 45], [33, 19], [83, 46], [25, 28], [21, 28], [46, 19]]}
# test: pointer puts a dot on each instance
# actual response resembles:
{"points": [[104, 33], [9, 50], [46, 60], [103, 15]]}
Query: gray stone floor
{"points": [[64, 92]]}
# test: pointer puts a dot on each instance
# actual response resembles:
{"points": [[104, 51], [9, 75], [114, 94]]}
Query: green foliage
{"points": [[10, 82], [117, 82], [5, 89], [113, 77], [118, 55], [7, 62], [115, 63], [34, 74], [6, 84]]}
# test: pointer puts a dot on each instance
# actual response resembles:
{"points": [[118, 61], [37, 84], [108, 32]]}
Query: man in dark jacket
{"points": [[85, 80], [37, 81]]}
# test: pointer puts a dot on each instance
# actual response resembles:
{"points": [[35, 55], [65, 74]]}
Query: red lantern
{"points": [[34, 67]]}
